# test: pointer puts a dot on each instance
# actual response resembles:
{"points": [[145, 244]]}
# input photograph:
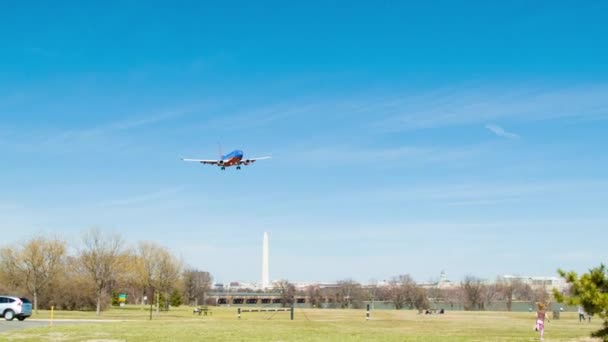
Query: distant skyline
{"points": [[406, 138]]}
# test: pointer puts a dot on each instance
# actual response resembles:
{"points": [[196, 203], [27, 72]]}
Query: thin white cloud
{"points": [[257, 116], [393, 112], [465, 106], [344, 154], [501, 132], [132, 123], [92, 138], [120, 125], [471, 194]]}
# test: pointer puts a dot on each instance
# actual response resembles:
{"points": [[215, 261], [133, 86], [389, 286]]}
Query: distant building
{"points": [[443, 283], [537, 282]]}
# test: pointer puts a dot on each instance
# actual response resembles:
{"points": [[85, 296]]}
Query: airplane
{"points": [[234, 158]]}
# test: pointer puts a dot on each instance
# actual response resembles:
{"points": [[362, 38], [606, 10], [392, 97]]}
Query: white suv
{"points": [[11, 307]]}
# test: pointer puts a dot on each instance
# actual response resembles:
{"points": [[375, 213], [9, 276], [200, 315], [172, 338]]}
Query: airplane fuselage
{"points": [[231, 159]]}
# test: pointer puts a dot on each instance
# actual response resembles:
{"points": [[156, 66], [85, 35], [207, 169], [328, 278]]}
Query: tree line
{"points": [[404, 293], [91, 276]]}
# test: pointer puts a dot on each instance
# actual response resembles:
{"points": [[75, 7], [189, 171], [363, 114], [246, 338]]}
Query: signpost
{"points": [[122, 299]]}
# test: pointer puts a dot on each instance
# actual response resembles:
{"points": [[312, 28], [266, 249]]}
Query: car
{"points": [[11, 307]]}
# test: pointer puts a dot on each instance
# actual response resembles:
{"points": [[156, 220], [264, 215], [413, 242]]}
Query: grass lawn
{"points": [[309, 325]]}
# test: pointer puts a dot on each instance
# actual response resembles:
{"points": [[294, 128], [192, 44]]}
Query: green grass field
{"points": [[132, 324]]}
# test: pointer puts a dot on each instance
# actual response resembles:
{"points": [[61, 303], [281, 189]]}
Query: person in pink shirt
{"points": [[541, 316]]}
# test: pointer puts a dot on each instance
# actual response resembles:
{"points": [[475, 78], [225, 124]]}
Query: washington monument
{"points": [[265, 275]]}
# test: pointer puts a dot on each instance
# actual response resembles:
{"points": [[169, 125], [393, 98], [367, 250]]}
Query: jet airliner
{"points": [[234, 158]]}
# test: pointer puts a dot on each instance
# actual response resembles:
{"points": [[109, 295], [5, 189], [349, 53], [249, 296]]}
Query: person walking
{"points": [[581, 314]]}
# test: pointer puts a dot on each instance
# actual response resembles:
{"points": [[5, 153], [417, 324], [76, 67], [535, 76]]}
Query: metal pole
{"points": [[367, 313], [52, 315], [292, 311], [239, 312]]}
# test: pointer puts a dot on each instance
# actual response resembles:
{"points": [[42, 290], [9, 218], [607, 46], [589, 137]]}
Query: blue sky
{"points": [[406, 138]]}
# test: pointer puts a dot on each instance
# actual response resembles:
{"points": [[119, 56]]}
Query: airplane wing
{"points": [[202, 161], [251, 160]]}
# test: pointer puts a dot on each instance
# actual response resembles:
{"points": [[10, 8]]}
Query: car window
{"points": [[3, 300], [10, 300], [25, 301]]}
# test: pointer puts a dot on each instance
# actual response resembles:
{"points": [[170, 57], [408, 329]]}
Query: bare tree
{"points": [[525, 293], [10, 270], [452, 296], [349, 294], [158, 269], [472, 292], [315, 297], [73, 289], [196, 284], [420, 298], [147, 263], [372, 291], [402, 291], [129, 279], [541, 294], [168, 274], [35, 264], [100, 259], [514, 289], [437, 294], [490, 293], [287, 290]]}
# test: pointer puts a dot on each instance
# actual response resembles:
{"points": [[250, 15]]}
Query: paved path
{"points": [[17, 325], [36, 323]]}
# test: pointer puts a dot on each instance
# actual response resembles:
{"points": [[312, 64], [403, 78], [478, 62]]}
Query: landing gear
{"points": [[238, 167], [223, 168]]}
